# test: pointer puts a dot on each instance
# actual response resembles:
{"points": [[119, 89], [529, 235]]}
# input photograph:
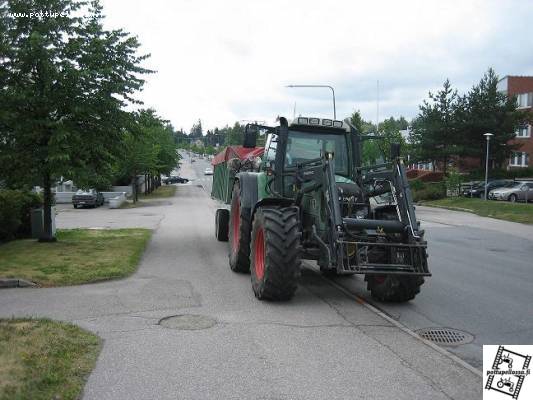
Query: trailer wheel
{"points": [[239, 233], [221, 224], [275, 253], [393, 288]]}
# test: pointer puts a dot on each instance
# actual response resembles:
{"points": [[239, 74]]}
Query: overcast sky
{"points": [[229, 60]]}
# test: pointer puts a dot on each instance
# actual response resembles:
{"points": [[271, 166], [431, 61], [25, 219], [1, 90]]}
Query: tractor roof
{"points": [[311, 122]]}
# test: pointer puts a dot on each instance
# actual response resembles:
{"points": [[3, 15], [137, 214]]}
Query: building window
{"points": [[524, 100], [519, 159], [523, 131]]}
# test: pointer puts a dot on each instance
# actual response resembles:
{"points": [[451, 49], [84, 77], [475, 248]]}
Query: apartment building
{"points": [[522, 88]]}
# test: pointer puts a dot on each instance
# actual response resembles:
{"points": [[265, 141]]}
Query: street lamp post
{"points": [[319, 86], [487, 135]]}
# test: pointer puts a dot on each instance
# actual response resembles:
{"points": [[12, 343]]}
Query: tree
{"points": [[486, 110], [435, 130], [196, 130], [148, 149], [64, 83], [377, 149], [234, 135]]}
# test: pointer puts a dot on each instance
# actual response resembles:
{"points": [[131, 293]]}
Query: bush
{"points": [[15, 213], [453, 181], [430, 191], [479, 174]]}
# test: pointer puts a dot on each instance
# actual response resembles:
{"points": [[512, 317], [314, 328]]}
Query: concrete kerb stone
{"points": [[6, 283]]}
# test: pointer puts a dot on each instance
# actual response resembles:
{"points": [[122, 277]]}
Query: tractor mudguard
{"points": [[248, 184], [273, 201]]}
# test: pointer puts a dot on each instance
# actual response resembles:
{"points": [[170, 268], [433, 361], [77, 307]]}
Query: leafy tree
{"points": [[64, 83], [374, 150], [148, 149]]}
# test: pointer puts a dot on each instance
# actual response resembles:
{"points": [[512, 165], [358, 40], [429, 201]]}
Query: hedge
{"points": [[15, 213], [428, 191]]}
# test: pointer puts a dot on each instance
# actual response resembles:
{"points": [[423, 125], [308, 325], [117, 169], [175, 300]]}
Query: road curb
{"points": [[6, 283], [402, 327]]}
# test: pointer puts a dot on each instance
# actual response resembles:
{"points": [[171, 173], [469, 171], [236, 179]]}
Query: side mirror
{"points": [[250, 136]]}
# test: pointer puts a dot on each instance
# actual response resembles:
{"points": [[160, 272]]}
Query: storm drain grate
{"points": [[445, 336]]}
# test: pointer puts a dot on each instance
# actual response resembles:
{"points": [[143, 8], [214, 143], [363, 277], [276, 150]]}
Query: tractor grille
{"points": [[445, 336]]}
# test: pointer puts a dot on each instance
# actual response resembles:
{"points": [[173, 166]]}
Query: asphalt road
{"points": [[482, 279]]}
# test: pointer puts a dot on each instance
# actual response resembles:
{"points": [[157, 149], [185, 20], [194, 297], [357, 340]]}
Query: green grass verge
{"points": [[514, 212], [79, 256], [161, 191], [43, 359]]}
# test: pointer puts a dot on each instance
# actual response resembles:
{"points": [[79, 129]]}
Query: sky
{"points": [[223, 61]]}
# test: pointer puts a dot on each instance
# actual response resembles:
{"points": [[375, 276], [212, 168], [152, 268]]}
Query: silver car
{"points": [[521, 191]]}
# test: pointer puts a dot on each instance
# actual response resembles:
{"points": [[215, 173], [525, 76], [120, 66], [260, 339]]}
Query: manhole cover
{"points": [[445, 336], [188, 322]]}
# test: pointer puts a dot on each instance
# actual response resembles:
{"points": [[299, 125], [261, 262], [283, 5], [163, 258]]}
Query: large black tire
{"points": [[394, 288], [275, 253], [222, 224], [513, 198], [239, 233]]}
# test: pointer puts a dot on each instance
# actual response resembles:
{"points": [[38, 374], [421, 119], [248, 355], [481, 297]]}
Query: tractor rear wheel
{"points": [[393, 288], [275, 253], [239, 233], [221, 224]]}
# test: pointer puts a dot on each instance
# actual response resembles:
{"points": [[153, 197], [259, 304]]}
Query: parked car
{"points": [[175, 179], [520, 191], [87, 198], [208, 171], [479, 189]]}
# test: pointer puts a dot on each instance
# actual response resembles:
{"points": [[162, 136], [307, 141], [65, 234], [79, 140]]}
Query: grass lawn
{"points": [[43, 359], [78, 256], [514, 212]]}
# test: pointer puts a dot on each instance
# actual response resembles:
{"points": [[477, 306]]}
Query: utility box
{"points": [[37, 222]]}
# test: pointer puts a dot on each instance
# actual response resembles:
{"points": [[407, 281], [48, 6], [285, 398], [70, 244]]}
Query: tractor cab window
{"points": [[270, 147], [303, 146]]}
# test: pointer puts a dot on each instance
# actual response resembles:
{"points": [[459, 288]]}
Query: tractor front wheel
{"points": [[275, 253], [393, 288]]}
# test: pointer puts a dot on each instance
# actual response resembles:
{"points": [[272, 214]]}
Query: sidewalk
{"points": [[460, 218]]}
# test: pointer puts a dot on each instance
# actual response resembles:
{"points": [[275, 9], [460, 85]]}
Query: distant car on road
{"points": [[87, 198], [479, 189], [520, 191], [208, 171], [175, 179]]}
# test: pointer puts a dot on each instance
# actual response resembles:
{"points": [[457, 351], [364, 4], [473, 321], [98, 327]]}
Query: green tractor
{"points": [[308, 197]]}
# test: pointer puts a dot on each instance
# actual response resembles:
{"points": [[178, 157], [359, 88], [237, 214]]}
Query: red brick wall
{"points": [[519, 84]]}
